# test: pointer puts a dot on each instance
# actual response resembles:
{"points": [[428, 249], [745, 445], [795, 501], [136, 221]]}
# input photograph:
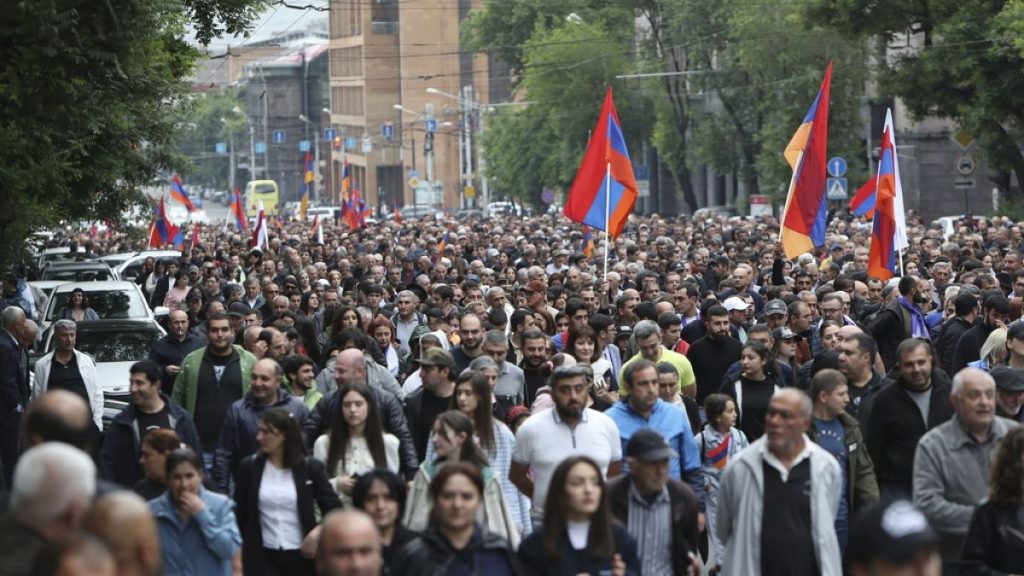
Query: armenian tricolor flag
{"points": [[179, 193], [241, 222], [888, 228], [604, 190], [307, 184], [587, 248], [719, 455], [346, 181], [162, 231], [804, 219]]}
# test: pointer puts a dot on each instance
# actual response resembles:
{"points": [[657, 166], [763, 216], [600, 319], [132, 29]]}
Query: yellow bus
{"points": [[257, 190]]}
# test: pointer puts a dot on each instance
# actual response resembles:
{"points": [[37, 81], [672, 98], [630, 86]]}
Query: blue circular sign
{"points": [[836, 166]]}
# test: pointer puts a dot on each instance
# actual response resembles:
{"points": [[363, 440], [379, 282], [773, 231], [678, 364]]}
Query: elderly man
{"points": [[951, 462], [15, 388], [1009, 392], [53, 486], [407, 318], [649, 343], [169, 351], [778, 499], [68, 369]]}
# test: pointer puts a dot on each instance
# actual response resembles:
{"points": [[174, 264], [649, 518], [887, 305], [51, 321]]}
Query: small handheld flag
{"points": [[804, 219]]}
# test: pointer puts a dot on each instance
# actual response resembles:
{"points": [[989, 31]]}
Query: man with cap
{"points": [[1009, 392], [778, 499], [952, 460], [965, 310], [775, 313], [660, 512], [737, 309], [892, 538], [170, 350], [423, 406]]}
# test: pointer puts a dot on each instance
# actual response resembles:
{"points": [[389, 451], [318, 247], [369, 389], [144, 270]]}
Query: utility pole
{"points": [[428, 150], [467, 119]]}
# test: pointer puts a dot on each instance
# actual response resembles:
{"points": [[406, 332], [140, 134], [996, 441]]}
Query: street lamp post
{"points": [[470, 108], [315, 195], [252, 142]]}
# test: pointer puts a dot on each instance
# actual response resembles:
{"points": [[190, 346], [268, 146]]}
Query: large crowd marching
{"points": [[501, 396]]}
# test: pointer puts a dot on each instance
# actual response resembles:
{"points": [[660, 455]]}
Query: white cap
{"points": [[735, 303]]}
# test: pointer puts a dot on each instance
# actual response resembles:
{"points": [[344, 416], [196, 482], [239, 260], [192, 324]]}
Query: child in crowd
{"points": [[719, 442]]}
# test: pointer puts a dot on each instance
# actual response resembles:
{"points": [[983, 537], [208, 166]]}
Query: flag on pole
{"points": [[307, 185], [863, 202], [195, 235], [259, 232], [587, 247], [346, 181], [162, 231], [888, 228], [803, 221], [179, 193], [604, 190], [241, 222]]}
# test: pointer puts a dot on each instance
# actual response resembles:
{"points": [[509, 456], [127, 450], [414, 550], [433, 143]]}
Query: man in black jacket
{"points": [[169, 351], [965, 308], [389, 407], [149, 409], [637, 497], [712, 355], [857, 353], [900, 414], [994, 310], [895, 321]]}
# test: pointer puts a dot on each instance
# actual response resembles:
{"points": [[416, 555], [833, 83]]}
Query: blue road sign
{"points": [[432, 125], [303, 145], [835, 188], [836, 167], [351, 142], [221, 148], [641, 172], [329, 134], [279, 137], [261, 147], [388, 131]]}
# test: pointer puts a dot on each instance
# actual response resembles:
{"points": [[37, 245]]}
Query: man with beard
{"points": [[994, 311], [547, 437], [900, 320], [712, 355], [900, 414], [857, 354], [331, 303], [471, 335], [535, 355], [1009, 392], [965, 310]]}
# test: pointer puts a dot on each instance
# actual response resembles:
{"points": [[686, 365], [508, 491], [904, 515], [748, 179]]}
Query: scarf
{"points": [[918, 326]]}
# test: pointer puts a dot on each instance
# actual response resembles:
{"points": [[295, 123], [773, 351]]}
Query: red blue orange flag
{"points": [[179, 193], [863, 202], [587, 245], [307, 184], [804, 219], [346, 181], [162, 232], [241, 222], [888, 228], [604, 190]]}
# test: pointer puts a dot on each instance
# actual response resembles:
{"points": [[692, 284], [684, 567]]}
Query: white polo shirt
{"points": [[543, 441]]}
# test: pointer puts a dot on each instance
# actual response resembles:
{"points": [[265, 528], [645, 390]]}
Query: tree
{"points": [[210, 118], [87, 100], [957, 60]]}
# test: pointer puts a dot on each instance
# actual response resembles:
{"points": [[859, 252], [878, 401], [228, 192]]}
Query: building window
{"points": [[347, 100], [347, 61]]}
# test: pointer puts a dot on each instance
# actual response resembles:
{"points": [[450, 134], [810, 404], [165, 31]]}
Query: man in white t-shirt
{"points": [[568, 429]]}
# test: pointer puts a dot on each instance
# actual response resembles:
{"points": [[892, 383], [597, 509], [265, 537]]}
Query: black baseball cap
{"points": [[894, 531], [1008, 379], [648, 445], [239, 309]]}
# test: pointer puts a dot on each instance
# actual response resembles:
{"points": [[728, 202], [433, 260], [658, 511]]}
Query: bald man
{"points": [[349, 545], [87, 556], [122, 520], [59, 416]]}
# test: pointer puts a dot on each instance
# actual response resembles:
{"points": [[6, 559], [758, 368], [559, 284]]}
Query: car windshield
{"points": [[89, 275], [108, 346], [108, 304]]}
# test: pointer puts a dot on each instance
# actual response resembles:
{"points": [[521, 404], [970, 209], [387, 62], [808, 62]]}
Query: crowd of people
{"points": [[439, 397]]}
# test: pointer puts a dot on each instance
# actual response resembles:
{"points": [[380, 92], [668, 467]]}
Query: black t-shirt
{"points": [[753, 404], [68, 377], [430, 409], [787, 538], [219, 384], [155, 421], [710, 360]]}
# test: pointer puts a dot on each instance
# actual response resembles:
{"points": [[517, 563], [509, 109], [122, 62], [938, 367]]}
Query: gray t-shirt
{"points": [[923, 401]]}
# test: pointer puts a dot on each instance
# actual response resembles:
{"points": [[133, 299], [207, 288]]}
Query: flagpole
{"points": [[607, 214]]}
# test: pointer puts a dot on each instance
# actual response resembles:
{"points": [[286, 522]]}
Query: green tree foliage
{"points": [[207, 119], [87, 99], [958, 60]]}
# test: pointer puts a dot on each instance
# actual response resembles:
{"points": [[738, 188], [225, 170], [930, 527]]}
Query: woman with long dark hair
{"points": [[77, 308], [753, 390], [453, 442], [178, 291], [275, 492], [455, 542], [357, 442], [198, 531], [582, 345], [579, 534], [381, 494], [309, 304], [995, 540]]}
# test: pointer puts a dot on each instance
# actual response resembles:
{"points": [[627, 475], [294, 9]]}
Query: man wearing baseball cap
{"points": [[892, 538], [737, 309], [1009, 392], [776, 313], [424, 405], [660, 512]]}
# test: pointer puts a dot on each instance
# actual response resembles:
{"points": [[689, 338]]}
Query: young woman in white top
{"points": [[356, 442]]}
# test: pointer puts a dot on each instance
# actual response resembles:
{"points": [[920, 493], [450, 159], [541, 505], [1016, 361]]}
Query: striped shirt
{"points": [[650, 523]]}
